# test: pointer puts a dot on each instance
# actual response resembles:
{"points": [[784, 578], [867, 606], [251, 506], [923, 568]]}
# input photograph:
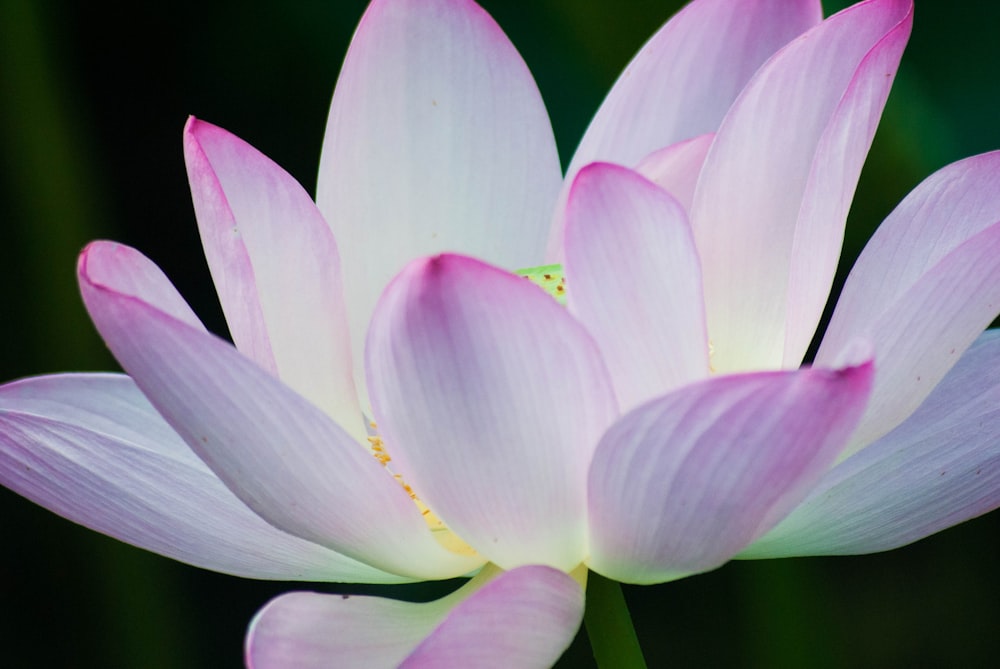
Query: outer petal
{"points": [[276, 268], [91, 448], [522, 618], [635, 281], [772, 199], [490, 399], [675, 168], [925, 286], [682, 82], [437, 141], [937, 469], [281, 455], [681, 484]]}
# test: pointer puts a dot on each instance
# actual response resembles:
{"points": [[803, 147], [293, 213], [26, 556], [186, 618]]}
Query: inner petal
{"points": [[441, 532]]}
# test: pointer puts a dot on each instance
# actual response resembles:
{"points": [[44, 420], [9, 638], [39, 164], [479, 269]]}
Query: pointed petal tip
{"points": [[715, 465], [195, 131], [440, 267], [857, 353], [938, 468], [596, 172], [102, 264], [195, 126]]}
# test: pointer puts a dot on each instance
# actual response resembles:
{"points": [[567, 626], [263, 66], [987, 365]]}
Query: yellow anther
{"points": [[439, 530]]}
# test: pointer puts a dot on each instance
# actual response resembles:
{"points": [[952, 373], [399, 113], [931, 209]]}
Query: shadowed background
{"points": [[93, 98]]}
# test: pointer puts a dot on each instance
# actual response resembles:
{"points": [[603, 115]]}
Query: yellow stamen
{"points": [[439, 530]]}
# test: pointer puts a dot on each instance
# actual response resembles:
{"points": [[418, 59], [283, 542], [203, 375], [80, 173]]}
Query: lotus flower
{"points": [[399, 406]]}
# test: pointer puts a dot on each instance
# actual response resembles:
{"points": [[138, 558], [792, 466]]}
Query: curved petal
{"points": [[682, 82], [926, 285], [133, 273], [91, 448], [437, 140], [522, 618], [681, 484], [525, 617], [937, 469], [282, 456], [772, 199], [675, 168], [490, 399], [275, 267], [634, 281]]}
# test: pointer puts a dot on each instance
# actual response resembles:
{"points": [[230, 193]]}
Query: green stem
{"points": [[609, 626]]}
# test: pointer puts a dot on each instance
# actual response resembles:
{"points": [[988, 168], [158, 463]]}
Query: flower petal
{"points": [[91, 448], [682, 82], [522, 618], [490, 399], [926, 285], [675, 168], [276, 268], [772, 199], [437, 140], [937, 469], [282, 456], [525, 617], [681, 484], [634, 280]]}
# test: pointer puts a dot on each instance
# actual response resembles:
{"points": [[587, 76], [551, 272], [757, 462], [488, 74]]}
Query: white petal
{"points": [[939, 468], [676, 168], [276, 268], [682, 82], [282, 456], [772, 198], [522, 618], [91, 448], [682, 483], [634, 280], [437, 141], [925, 287], [491, 399]]}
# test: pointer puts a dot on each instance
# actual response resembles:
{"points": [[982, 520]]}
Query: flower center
{"points": [[549, 278], [439, 530]]}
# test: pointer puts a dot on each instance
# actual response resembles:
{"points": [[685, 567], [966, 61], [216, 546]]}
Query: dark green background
{"points": [[93, 97]]}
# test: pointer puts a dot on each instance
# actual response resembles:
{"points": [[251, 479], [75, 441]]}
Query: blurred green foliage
{"points": [[94, 96]]}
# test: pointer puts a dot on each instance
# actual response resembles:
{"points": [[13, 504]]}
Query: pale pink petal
{"points": [[91, 448], [135, 274], [309, 630], [675, 168], [772, 199], [522, 618], [437, 141], [937, 469], [925, 286], [681, 484], [282, 456], [682, 82], [276, 268], [634, 280], [490, 399]]}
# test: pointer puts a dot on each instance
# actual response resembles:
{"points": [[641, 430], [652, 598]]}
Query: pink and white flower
{"points": [[657, 427]]}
